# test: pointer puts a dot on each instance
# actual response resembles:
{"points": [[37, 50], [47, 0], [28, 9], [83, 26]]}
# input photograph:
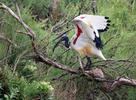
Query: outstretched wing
{"points": [[100, 23], [91, 25]]}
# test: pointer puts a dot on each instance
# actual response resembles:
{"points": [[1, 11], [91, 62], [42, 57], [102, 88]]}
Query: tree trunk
{"points": [[56, 10]]}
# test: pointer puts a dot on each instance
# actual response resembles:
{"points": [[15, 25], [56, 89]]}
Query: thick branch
{"points": [[51, 62], [31, 33], [112, 84], [97, 74], [122, 81]]}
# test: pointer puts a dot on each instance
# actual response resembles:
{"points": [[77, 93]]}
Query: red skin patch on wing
{"points": [[78, 34], [82, 17]]}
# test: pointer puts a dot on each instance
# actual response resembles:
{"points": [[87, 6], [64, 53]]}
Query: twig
{"points": [[97, 73], [61, 34], [8, 40], [60, 76], [62, 54], [58, 25], [81, 64], [113, 61], [22, 32], [31, 33], [94, 7], [18, 10], [53, 63], [109, 40], [17, 60]]}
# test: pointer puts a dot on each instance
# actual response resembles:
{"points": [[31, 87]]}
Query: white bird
{"points": [[86, 40]]}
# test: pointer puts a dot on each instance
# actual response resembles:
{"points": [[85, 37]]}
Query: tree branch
{"points": [[112, 84], [51, 62], [81, 64], [97, 73], [8, 40], [18, 10], [17, 60], [31, 33]]}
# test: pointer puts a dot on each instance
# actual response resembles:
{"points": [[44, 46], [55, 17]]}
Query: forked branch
{"points": [[97, 73]]}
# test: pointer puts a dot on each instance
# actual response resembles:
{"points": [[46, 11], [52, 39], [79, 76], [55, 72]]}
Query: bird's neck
{"points": [[79, 31], [67, 44]]}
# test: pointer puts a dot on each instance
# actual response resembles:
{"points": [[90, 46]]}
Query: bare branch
{"points": [[94, 7], [31, 33], [109, 40], [58, 25], [53, 63], [22, 32], [81, 64], [18, 10], [110, 85], [60, 76], [61, 34], [97, 73], [8, 40], [16, 63], [122, 81]]}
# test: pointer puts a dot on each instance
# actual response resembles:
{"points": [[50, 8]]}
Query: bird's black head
{"points": [[63, 38]]}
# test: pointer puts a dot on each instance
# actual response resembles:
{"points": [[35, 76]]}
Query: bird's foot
{"points": [[88, 64], [87, 68]]}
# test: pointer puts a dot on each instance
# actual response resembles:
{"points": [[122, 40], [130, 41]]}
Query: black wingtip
{"points": [[107, 28], [103, 29], [106, 17], [100, 30], [108, 20], [108, 24]]}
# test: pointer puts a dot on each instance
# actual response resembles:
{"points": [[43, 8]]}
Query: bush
{"points": [[18, 88]]}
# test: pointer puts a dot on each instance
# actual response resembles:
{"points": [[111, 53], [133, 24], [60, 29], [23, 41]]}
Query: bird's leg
{"points": [[88, 64]]}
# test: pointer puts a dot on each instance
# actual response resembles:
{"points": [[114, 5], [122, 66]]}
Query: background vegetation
{"points": [[24, 78]]}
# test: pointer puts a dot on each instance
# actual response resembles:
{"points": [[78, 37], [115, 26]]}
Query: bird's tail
{"points": [[101, 56]]}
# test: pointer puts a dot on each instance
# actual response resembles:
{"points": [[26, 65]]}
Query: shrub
{"points": [[18, 88]]}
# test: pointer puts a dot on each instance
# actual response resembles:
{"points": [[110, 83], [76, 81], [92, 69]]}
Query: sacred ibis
{"points": [[86, 40]]}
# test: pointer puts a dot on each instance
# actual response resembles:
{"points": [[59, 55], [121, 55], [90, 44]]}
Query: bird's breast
{"points": [[86, 50]]}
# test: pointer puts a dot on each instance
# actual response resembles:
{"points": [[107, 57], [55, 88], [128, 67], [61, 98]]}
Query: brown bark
{"points": [[56, 10], [97, 74]]}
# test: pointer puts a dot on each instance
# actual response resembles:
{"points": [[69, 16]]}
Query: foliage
{"points": [[28, 80], [13, 86]]}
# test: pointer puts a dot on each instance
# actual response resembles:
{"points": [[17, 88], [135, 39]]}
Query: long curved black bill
{"points": [[57, 44], [64, 38]]}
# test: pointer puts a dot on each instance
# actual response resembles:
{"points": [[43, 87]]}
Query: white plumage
{"points": [[86, 39]]}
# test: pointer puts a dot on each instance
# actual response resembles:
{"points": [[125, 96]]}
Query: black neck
{"points": [[67, 44]]}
